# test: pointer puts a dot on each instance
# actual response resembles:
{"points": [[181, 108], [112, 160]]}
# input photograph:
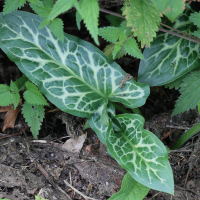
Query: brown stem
{"points": [[180, 31], [196, 40]]}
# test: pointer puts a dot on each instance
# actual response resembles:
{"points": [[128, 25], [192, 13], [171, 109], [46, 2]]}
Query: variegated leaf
{"points": [[74, 75], [96, 125], [141, 153], [170, 57]]}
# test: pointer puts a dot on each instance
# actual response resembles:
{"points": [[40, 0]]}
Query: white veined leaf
{"points": [[140, 152], [74, 75]]}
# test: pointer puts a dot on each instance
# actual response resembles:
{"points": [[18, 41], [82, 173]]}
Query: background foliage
{"points": [[79, 79]]}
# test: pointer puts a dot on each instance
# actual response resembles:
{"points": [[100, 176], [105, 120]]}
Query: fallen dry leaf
{"points": [[74, 145], [11, 115]]}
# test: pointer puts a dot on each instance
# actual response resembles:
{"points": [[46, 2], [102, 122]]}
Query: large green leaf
{"points": [[143, 18], [171, 8], [140, 152], [130, 190], [74, 75], [169, 57]]}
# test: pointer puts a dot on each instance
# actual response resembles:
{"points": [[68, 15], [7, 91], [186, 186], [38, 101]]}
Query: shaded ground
{"points": [[29, 168]]}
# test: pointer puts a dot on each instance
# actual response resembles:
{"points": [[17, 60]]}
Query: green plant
{"points": [[38, 198], [79, 79], [67, 75], [33, 107]]}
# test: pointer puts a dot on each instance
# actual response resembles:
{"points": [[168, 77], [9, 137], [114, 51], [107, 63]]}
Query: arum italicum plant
{"points": [[79, 79]]}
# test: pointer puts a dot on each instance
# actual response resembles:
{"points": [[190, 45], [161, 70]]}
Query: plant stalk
{"points": [[120, 108], [137, 111], [186, 136]]}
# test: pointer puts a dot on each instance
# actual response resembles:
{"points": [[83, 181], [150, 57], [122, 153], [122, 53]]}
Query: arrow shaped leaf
{"points": [[74, 75], [169, 57], [141, 153]]}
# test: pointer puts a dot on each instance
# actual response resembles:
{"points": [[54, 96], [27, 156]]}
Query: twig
{"points": [[177, 127], [155, 195], [186, 190], [84, 196], [180, 31], [178, 35], [160, 29], [5, 136], [186, 178], [52, 182]]}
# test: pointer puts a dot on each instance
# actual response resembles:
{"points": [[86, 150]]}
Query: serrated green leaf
{"points": [[169, 57], [48, 3], [56, 27], [44, 23], [121, 52], [40, 9], [196, 33], [14, 94], [75, 76], [59, 7], [5, 95], [130, 190], [33, 96], [111, 34], [176, 83], [90, 14], [20, 82], [170, 8], [190, 93], [35, 1], [194, 18], [122, 36], [109, 50], [33, 115], [143, 18], [132, 48], [11, 5], [141, 153], [78, 20]]}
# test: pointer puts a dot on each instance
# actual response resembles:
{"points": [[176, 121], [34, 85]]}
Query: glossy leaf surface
{"points": [[74, 75], [140, 152], [169, 57]]}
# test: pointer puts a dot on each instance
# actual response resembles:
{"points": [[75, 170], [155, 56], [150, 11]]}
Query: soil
{"points": [[43, 168]]}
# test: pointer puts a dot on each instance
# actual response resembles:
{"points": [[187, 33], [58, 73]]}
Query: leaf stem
{"points": [[186, 136], [120, 108], [196, 40], [137, 111]]}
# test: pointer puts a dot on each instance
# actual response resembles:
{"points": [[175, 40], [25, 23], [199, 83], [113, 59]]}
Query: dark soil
{"points": [[29, 167]]}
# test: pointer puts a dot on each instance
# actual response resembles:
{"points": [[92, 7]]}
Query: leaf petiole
{"points": [[186, 136]]}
